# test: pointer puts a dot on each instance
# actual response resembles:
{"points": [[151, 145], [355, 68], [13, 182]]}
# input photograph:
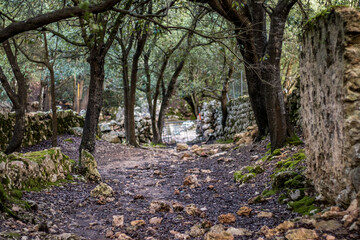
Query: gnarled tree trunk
{"points": [[18, 99]]}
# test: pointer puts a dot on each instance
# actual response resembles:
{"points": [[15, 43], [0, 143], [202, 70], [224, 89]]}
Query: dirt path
{"points": [[141, 176]]}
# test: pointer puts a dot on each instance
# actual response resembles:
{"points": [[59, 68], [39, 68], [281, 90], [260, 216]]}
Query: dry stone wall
{"points": [[38, 126], [240, 116], [330, 100]]}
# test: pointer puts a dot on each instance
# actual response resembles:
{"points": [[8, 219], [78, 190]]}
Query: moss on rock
{"points": [[304, 206]]}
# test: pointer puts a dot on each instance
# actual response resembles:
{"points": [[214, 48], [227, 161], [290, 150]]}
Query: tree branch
{"points": [[55, 16]]}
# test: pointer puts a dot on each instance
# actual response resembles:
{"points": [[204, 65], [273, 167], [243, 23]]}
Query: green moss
{"points": [[243, 178], [69, 177], [268, 146], [11, 235], [225, 141], [16, 193], [294, 140], [276, 152], [39, 155], [290, 163], [282, 197], [304, 206], [157, 145], [256, 169], [296, 182], [270, 192], [238, 175]]}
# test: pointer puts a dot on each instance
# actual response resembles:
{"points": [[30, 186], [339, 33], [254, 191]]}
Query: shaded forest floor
{"points": [[149, 186]]}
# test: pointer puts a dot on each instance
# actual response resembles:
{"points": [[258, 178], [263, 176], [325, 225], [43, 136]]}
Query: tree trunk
{"points": [[257, 100], [75, 95], [19, 130], [85, 99], [97, 74], [18, 99], [279, 125], [223, 98], [53, 107], [41, 95]]}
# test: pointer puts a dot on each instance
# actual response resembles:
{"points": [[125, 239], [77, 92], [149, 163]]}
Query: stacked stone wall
{"points": [[330, 100], [240, 116], [38, 126]]}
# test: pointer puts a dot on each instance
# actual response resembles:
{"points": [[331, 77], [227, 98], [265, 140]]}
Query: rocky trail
{"points": [[162, 193]]}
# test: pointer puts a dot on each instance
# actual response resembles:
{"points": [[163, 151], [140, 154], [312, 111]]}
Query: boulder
{"points": [[102, 190], [111, 137], [181, 147], [77, 131]]}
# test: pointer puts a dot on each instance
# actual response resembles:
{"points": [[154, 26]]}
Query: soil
{"points": [[139, 176]]}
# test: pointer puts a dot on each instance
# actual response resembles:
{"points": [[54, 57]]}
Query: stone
{"points": [[187, 156], [192, 210], [329, 237], [244, 211], [137, 223], [180, 236], [265, 215], [218, 228], [353, 206], [104, 127], [155, 220], [330, 225], [122, 236], [109, 234], [102, 190], [177, 207], [282, 227], [196, 231], [181, 147], [192, 181], [89, 164], [77, 131], [227, 218], [118, 221], [239, 231], [219, 236], [301, 234], [295, 195], [111, 137], [159, 206]]}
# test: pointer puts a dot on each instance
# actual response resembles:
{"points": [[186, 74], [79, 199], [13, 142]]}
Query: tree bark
{"points": [[97, 74], [18, 99], [53, 106], [223, 98]]}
